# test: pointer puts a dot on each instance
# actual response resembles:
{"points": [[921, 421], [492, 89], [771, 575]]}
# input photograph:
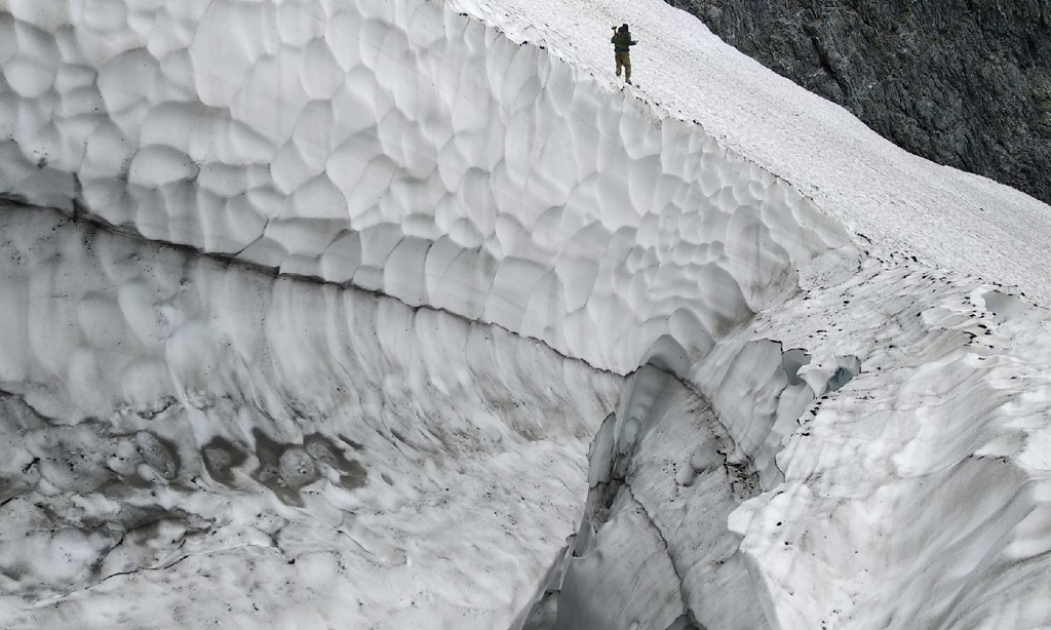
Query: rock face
{"points": [[965, 83]]}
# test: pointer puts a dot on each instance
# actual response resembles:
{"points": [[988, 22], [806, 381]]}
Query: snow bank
{"points": [[403, 148], [916, 495], [824, 431]]}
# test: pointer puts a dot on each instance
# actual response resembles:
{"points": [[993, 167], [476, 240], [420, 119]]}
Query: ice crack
{"points": [[683, 593]]}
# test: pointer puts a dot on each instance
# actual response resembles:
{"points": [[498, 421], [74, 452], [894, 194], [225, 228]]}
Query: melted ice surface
{"points": [[218, 445], [403, 148], [350, 288]]}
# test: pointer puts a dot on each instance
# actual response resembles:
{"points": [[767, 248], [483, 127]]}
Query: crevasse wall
{"points": [[188, 418], [190, 443], [397, 147], [403, 148]]}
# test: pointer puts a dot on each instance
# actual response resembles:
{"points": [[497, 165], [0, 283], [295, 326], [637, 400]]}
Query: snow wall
{"points": [[402, 148], [273, 366]]}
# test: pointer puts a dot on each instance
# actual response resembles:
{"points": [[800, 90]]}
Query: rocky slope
{"points": [[965, 83]]}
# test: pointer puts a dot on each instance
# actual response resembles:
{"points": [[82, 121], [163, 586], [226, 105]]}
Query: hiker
{"points": [[621, 42]]}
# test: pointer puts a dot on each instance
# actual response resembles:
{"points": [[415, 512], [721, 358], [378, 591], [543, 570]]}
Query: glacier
{"points": [[402, 313]]}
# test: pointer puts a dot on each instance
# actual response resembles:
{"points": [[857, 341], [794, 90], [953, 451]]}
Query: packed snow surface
{"points": [[350, 313]]}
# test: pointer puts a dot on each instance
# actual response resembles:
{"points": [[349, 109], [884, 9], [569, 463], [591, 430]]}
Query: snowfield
{"points": [[404, 314]]}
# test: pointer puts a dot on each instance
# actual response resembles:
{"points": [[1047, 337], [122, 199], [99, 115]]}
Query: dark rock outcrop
{"points": [[966, 83]]}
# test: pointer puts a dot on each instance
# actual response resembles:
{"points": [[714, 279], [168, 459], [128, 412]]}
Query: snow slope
{"points": [[904, 203], [352, 394]]}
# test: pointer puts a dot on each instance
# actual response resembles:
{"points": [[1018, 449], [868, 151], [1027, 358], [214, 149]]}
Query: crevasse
{"points": [[343, 293]]}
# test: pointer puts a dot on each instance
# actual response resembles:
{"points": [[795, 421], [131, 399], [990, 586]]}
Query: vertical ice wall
{"points": [[402, 148], [187, 442], [393, 146]]}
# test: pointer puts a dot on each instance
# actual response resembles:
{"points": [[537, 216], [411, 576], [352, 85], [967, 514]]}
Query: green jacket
{"points": [[621, 42]]}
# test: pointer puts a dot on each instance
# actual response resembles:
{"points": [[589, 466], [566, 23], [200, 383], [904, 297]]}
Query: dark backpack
{"points": [[622, 40]]}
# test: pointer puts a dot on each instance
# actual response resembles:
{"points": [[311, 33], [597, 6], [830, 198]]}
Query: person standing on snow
{"points": [[622, 42]]}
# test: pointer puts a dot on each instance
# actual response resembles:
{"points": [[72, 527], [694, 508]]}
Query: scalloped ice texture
{"points": [[198, 443], [409, 150], [405, 149], [901, 202]]}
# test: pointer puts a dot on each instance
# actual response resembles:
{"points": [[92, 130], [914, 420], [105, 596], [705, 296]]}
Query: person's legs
{"points": [[624, 61]]}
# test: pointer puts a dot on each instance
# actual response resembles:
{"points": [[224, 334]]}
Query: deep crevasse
{"points": [[188, 442], [403, 148]]}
